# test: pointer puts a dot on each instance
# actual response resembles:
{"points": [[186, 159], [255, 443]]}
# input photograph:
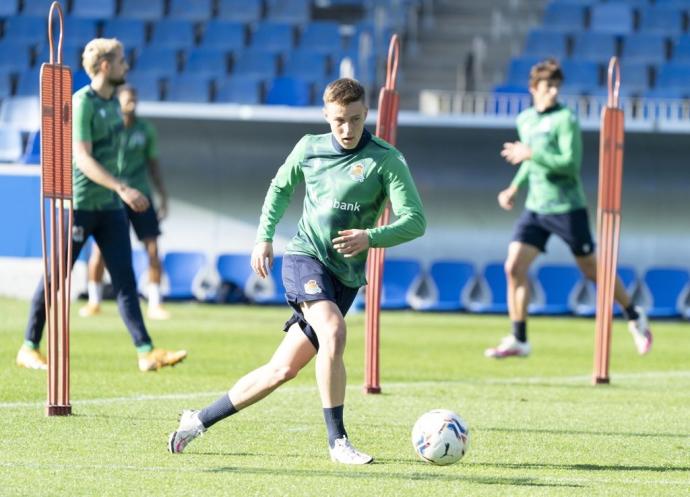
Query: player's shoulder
{"points": [[85, 93], [526, 115], [145, 125], [565, 113]]}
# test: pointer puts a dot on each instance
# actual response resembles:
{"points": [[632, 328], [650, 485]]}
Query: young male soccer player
{"points": [[349, 176], [550, 154], [98, 197], [140, 161]]}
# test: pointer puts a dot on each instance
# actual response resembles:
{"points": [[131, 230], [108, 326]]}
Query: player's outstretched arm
{"points": [[262, 258]]}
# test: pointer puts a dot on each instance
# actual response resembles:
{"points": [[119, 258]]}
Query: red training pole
{"points": [[386, 128], [608, 221]]}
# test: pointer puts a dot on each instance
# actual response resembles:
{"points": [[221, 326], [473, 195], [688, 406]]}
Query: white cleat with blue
{"points": [[344, 453]]}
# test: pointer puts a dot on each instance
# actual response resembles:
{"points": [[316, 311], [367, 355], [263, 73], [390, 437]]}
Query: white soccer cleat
{"points": [[509, 347], [639, 329], [344, 453], [190, 428]]}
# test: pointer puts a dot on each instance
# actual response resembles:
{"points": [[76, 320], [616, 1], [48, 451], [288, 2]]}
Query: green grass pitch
{"points": [[538, 427]]}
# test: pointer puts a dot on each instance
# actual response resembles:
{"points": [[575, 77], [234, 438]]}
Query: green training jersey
{"points": [[553, 172], [345, 189], [98, 121], [141, 146]]}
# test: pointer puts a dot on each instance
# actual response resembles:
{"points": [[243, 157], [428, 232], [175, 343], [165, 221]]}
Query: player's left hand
{"points": [[516, 152], [351, 242], [163, 209]]}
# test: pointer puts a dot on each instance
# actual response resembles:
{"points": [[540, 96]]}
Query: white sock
{"points": [[154, 292], [95, 292]]}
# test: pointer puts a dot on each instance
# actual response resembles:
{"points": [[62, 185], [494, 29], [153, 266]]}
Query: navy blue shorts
{"points": [[306, 279], [145, 223], [572, 227]]}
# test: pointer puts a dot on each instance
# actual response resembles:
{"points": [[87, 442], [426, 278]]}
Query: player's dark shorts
{"points": [[145, 223], [572, 227], [306, 279]]}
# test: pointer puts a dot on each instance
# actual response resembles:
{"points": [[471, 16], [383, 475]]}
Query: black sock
{"points": [[220, 409], [631, 313], [520, 331], [334, 423]]}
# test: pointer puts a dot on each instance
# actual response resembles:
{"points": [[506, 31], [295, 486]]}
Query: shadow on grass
{"points": [[586, 432], [431, 475], [585, 467]]}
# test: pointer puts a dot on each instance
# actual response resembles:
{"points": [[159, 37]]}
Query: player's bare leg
{"points": [[518, 262], [638, 324], [96, 270], [155, 307]]}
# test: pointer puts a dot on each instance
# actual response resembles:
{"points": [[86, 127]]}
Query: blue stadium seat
{"points": [[28, 83], [380, 36], [450, 279], [26, 29], [673, 79], [628, 277], [94, 9], [293, 11], [257, 63], [518, 71], [286, 90], [558, 282], [140, 265], [308, 65], [150, 10], [240, 89], [681, 49], [32, 152], [79, 31], [148, 86], [662, 19], [226, 35], [207, 62], [235, 269], [594, 47], [173, 33], [649, 48], [581, 77], [566, 17], [159, 61], [666, 286], [14, 56], [5, 84], [38, 8], [23, 113], [10, 144], [182, 268], [616, 18], [542, 43], [364, 66], [80, 79], [273, 36], [322, 36], [131, 32], [494, 278], [71, 55], [8, 8], [635, 77], [191, 10], [188, 88], [277, 297], [398, 277], [247, 11]]}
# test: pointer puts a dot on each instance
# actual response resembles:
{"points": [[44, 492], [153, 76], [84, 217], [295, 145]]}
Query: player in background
{"points": [[140, 162], [549, 155], [98, 200], [349, 176]]}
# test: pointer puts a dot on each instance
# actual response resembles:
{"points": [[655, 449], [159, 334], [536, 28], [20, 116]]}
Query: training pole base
{"points": [[598, 380], [371, 389], [58, 410]]}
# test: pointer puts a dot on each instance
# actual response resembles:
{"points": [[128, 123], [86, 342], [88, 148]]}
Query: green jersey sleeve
{"points": [[405, 202], [280, 192], [568, 153], [81, 119]]}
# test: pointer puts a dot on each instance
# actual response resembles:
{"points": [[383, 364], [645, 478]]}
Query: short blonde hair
{"points": [[98, 50], [546, 70], [343, 91]]}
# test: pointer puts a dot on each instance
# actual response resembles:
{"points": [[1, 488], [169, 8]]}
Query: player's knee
{"points": [[513, 270], [282, 374], [333, 338]]}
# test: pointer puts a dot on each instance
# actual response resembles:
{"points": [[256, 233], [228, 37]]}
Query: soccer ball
{"points": [[440, 437]]}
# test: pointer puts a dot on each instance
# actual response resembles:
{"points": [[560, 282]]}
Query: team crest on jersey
{"points": [[357, 172], [311, 287]]}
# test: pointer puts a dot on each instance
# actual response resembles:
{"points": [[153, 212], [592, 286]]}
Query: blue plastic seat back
{"points": [[207, 62], [173, 33], [644, 47], [673, 75], [140, 265], [148, 86], [94, 9], [450, 279], [28, 83], [8, 8], [398, 277], [293, 11], [286, 90], [131, 32], [564, 16], [681, 49], [545, 43], [240, 89], [181, 268], [322, 36], [234, 268], [613, 17], [188, 88], [225, 35], [38, 8], [247, 11], [159, 61], [150, 10], [273, 36], [665, 285], [191, 10], [495, 278], [594, 47], [584, 76], [306, 64], [14, 56], [30, 30], [257, 63], [558, 282], [519, 69], [662, 19]]}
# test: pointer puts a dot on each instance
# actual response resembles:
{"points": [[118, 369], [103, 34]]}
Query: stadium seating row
{"points": [[448, 285]]}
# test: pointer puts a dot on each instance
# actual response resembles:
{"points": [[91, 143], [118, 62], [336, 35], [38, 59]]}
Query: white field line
{"points": [[544, 480], [536, 380]]}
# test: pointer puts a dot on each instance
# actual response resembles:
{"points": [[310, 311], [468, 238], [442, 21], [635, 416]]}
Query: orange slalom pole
{"points": [[56, 187], [608, 221], [386, 128]]}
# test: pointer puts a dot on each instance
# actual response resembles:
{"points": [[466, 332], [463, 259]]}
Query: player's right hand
{"points": [[136, 200], [262, 258], [506, 198]]}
